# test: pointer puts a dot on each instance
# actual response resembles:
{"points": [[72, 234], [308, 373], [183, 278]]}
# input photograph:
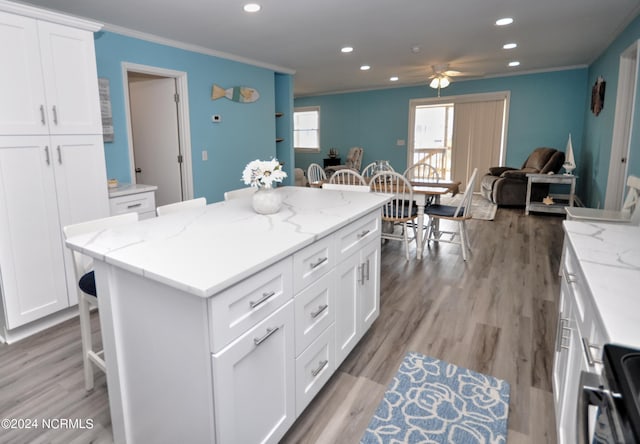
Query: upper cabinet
{"points": [[52, 86]]}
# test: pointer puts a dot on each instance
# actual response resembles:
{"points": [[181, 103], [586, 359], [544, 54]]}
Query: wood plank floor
{"points": [[495, 314]]}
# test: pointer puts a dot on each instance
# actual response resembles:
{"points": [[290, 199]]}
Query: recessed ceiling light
{"points": [[415, 49], [504, 21], [251, 7], [509, 45], [514, 63], [365, 67], [394, 79], [346, 49]]}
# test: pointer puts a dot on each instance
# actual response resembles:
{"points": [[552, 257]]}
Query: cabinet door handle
{"points": [[322, 364], [570, 278], [363, 233], [368, 269], [263, 299], [59, 155], [561, 336], [135, 205], [361, 271], [320, 262], [321, 308], [587, 351], [42, 115], [47, 158], [55, 114], [270, 331]]}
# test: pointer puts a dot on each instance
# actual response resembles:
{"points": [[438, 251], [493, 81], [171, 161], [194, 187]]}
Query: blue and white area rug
{"points": [[432, 401]]}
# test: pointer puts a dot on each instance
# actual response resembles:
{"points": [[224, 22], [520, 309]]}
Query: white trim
{"points": [[184, 131], [622, 127], [465, 98], [193, 48], [49, 16]]}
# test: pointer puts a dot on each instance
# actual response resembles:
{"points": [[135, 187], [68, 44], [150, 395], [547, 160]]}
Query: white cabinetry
{"points": [[357, 301], [254, 379], [52, 166], [51, 86], [579, 343], [133, 198]]}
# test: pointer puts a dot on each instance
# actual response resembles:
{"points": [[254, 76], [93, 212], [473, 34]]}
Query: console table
{"points": [[558, 179]]}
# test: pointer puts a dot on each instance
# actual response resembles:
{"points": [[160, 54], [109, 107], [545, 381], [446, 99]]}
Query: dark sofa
{"points": [[508, 186]]}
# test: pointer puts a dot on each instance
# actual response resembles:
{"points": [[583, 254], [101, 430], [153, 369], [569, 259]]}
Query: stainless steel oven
{"points": [[609, 404]]}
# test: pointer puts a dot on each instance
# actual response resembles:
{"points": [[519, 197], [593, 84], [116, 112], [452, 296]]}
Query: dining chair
{"points": [[315, 173], [630, 212], [458, 214], [343, 187], [86, 288], [422, 171], [401, 209], [347, 177], [163, 210], [370, 170], [239, 193]]}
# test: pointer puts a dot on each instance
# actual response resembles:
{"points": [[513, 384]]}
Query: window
{"points": [[306, 129]]}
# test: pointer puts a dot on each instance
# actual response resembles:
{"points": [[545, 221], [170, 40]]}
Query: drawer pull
{"points": [[42, 114], [322, 364], [321, 308], [46, 152], [270, 331], [139, 204], [320, 262], [363, 233], [570, 278], [59, 155], [587, 351], [264, 298], [55, 114]]}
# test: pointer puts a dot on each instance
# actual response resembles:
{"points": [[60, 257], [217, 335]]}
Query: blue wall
{"points": [[544, 109], [593, 164], [246, 132]]}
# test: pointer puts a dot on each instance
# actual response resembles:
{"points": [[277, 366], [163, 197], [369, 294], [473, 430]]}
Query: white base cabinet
{"points": [[580, 339]]}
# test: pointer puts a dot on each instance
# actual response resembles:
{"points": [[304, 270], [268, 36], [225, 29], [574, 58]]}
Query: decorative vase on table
{"points": [[264, 175], [266, 200]]}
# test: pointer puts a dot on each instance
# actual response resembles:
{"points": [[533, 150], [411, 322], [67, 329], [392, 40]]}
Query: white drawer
{"points": [[237, 309], [314, 310], [314, 368], [355, 235], [312, 262], [138, 203]]}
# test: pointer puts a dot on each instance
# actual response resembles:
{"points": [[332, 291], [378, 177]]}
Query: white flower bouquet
{"points": [[263, 173]]}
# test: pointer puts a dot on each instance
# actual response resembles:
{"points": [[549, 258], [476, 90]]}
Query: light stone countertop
{"points": [[203, 251], [609, 256], [125, 189]]}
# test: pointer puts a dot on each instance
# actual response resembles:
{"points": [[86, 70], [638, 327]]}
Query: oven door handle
{"points": [[593, 392]]}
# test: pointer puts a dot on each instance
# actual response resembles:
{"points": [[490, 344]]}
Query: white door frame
{"points": [[184, 131], [622, 127], [480, 97]]}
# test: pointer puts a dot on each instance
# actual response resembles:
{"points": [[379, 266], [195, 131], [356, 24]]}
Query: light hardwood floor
{"points": [[495, 314]]}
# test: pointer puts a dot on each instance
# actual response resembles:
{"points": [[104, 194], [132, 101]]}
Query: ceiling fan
{"points": [[442, 74]]}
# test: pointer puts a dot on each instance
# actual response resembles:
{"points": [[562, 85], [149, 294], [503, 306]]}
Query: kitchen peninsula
{"points": [[220, 324]]}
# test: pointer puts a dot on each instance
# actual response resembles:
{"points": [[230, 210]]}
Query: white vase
{"points": [[266, 201]]}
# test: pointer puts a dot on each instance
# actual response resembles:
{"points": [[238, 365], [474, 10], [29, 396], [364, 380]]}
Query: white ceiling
{"points": [[306, 36]]}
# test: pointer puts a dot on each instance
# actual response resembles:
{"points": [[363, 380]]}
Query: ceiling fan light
{"points": [[435, 83], [444, 82]]}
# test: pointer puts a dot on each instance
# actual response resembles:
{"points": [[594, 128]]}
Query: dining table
{"points": [[423, 192]]}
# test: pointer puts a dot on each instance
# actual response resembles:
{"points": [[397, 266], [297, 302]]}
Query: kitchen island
{"points": [[220, 324]]}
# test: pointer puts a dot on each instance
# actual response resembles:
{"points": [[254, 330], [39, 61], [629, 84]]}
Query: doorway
{"points": [[621, 141], [157, 124]]}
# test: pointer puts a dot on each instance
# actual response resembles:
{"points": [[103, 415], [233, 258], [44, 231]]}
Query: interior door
{"points": [[156, 145]]}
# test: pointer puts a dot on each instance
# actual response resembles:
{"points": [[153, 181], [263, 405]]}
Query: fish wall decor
{"points": [[240, 94]]}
